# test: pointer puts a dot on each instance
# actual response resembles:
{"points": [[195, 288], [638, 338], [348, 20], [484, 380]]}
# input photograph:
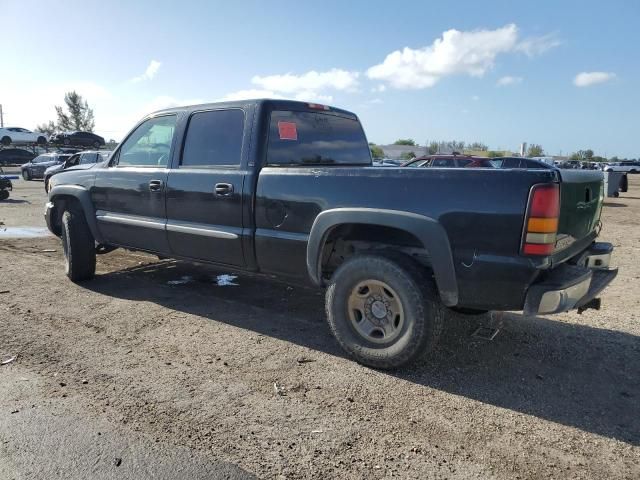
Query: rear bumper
{"points": [[571, 286]]}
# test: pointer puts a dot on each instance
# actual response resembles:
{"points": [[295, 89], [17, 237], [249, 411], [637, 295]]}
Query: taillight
{"points": [[541, 224]]}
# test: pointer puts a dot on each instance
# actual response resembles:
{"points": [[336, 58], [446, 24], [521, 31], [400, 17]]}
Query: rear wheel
{"points": [[78, 245], [4, 194], [5, 141], [41, 140], [383, 310]]}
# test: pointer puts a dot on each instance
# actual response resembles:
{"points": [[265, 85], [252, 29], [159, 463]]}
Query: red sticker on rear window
{"points": [[287, 131]]}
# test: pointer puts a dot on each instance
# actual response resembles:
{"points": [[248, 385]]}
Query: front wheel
{"points": [[5, 141], [78, 245], [26, 175], [383, 310]]}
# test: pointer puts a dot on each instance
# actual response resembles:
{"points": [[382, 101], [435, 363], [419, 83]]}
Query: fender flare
{"points": [[84, 198], [427, 230]]}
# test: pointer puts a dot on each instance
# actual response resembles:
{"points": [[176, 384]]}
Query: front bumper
{"points": [[572, 285], [48, 217]]}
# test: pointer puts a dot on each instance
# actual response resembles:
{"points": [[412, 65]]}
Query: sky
{"points": [[561, 74]]}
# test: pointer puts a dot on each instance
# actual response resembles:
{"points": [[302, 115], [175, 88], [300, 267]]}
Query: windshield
{"points": [[312, 138]]}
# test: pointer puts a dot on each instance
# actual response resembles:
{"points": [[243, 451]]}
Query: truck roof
{"points": [[274, 104]]}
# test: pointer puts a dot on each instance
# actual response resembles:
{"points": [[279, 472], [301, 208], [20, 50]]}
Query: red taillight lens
{"points": [[541, 224], [545, 201]]}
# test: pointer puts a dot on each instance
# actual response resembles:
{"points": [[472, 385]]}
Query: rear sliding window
{"points": [[311, 138]]}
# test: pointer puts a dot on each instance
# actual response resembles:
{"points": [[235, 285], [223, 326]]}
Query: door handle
{"points": [[223, 189], [155, 185]]}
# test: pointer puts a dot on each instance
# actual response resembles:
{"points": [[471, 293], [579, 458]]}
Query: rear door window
{"points": [[313, 138], [214, 139]]}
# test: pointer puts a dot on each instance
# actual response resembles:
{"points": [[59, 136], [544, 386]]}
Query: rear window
{"points": [[214, 138], [312, 138]]}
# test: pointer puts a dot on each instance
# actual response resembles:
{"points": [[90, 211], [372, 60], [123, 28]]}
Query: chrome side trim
{"points": [[199, 229], [133, 220]]}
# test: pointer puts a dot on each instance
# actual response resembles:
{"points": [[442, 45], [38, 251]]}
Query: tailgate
{"points": [[581, 197]]}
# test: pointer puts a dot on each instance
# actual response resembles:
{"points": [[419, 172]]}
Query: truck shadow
{"points": [[571, 374]]}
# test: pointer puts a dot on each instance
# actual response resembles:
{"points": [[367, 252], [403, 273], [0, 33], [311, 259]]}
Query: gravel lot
{"points": [[129, 376]]}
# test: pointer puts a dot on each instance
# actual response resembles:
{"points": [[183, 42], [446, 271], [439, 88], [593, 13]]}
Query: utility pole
{"points": [[1, 117]]}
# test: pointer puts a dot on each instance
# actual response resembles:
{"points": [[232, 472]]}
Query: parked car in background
{"points": [[519, 162], [15, 156], [36, 167], [628, 167], [5, 186], [450, 161], [82, 139], [82, 159], [17, 135]]}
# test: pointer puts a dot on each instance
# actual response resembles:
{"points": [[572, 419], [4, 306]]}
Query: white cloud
{"points": [[470, 53], [375, 101], [334, 79], [379, 88], [149, 73], [456, 53], [586, 79], [538, 45], [249, 94], [508, 80], [253, 93]]}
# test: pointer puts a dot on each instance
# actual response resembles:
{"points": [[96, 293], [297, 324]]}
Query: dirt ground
{"points": [[129, 376]]}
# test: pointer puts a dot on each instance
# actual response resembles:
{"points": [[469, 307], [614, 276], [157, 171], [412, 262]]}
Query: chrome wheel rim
{"points": [[375, 311]]}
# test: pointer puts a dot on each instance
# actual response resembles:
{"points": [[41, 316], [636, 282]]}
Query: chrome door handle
{"points": [[223, 189], [155, 185]]}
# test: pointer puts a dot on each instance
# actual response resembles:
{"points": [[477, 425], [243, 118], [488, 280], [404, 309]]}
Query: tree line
{"points": [[435, 147], [75, 115]]}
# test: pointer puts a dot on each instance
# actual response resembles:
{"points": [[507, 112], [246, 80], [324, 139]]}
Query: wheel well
{"points": [[346, 240], [60, 203]]}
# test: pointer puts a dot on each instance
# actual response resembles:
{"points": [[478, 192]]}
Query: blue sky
{"points": [[562, 74]]}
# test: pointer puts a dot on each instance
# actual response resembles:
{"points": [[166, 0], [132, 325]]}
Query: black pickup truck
{"points": [[287, 188]]}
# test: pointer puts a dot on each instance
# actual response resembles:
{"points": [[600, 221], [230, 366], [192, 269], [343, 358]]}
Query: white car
{"points": [[18, 135], [628, 167]]}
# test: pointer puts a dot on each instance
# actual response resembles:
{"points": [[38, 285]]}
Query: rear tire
{"points": [[78, 245], [383, 310], [4, 194], [41, 140], [5, 141]]}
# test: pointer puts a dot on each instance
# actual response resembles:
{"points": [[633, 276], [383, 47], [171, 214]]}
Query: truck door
{"points": [[205, 189], [129, 194]]}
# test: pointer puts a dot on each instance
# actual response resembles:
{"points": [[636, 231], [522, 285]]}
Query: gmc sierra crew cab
{"points": [[288, 189]]}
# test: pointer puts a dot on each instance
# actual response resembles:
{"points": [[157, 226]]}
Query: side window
{"points": [[88, 158], [150, 144], [214, 139], [511, 163], [441, 162]]}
